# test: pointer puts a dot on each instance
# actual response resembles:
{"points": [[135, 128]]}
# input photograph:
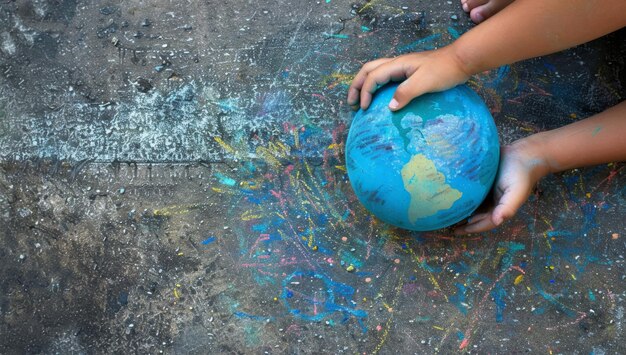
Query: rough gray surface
{"points": [[171, 179]]}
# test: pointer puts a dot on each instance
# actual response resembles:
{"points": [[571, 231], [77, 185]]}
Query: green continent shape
{"points": [[427, 187]]}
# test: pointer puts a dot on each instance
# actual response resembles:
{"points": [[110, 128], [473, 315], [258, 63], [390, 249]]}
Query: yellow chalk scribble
{"points": [[273, 152], [249, 215], [335, 79], [224, 145]]}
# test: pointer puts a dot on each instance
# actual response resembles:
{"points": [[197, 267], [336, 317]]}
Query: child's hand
{"points": [[520, 169], [424, 72]]}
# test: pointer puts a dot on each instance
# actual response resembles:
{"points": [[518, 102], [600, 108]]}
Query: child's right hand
{"points": [[424, 72]]}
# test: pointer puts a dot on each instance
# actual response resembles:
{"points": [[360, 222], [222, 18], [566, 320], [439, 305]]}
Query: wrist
{"points": [[465, 57], [533, 152]]}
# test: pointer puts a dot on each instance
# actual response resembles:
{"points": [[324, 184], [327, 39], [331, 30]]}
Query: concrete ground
{"points": [[172, 180]]}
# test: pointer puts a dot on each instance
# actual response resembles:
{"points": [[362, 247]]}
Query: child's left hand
{"points": [[521, 166]]}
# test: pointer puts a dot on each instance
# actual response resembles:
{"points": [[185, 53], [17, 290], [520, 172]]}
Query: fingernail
{"points": [[479, 18], [465, 7], [393, 104], [498, 221]]}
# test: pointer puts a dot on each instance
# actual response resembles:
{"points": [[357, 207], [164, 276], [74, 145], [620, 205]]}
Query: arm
{"points": [[524, 29], [595, 140], [531, 28]]}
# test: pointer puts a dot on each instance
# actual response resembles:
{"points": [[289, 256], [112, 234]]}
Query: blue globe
{"points": [[426, 166]]}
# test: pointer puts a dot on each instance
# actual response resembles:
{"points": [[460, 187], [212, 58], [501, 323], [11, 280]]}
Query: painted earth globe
{"points": [[426, 166]]}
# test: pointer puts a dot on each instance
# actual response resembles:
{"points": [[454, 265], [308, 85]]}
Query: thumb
{"points": [[512, 199], [407, 91]]}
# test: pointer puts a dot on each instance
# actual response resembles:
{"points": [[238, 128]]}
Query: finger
{"points": [[353, 96], [462, 229], [357, 82], [483, 10], [469, 5], [508, 206], [481, 225], [384, 73], [477, 218], [411, 88], [509, 203]]}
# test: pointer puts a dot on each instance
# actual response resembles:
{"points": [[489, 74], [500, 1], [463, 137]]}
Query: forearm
{"points": [[530, 28], [595, 140]]}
